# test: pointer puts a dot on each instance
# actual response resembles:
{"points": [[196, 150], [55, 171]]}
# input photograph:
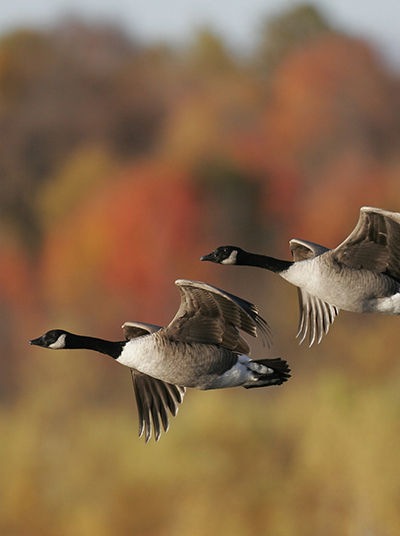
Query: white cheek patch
{"points": [[231, 259], [59, 343]]}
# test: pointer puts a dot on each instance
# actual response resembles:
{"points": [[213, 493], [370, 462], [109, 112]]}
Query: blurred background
{"points": [[134, 140]]}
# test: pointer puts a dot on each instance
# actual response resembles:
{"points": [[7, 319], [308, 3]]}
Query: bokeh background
{"points": [[123, 158]]}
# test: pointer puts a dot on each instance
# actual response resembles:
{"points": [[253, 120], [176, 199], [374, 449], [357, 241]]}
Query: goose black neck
{"points": [[110, 348], [263, 261]]}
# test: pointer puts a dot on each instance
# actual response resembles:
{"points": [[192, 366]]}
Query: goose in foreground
{"points": [[201, 347], [361, 275]]}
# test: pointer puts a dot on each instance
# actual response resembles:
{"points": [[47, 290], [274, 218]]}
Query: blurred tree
{"points": [[101, 49], [125, 244], [213, 153], [17, 305], [79, 84], [282, 34], [83, 173], [208, 53], [330, 102], [232, 201]]}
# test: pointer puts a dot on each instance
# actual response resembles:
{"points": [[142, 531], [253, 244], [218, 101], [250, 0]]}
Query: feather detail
{"points": [[316, 317], [153, 398]]}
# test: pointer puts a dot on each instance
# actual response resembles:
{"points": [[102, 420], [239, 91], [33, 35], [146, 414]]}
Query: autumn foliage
{"points": [[121, 163], [131, 238]]}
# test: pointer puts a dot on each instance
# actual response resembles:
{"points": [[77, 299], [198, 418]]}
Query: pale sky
{"points": [[236, 20]]}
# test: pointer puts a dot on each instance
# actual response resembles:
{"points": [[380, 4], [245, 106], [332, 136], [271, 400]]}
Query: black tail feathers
{"points": [[264, 377]]}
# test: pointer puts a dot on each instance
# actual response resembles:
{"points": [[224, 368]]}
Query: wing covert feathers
{"points": [[374, 243], [210, 315]]}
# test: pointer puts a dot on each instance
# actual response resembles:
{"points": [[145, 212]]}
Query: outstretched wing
{"points": [[154, 398], [210, 315], [374, 243], [316, 316]]}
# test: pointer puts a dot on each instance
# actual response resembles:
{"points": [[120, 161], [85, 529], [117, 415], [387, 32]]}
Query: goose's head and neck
{"points": [[58, 339], [240, 257]]}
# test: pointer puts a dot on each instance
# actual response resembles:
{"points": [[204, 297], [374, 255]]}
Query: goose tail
{"points": [[273, 371]]}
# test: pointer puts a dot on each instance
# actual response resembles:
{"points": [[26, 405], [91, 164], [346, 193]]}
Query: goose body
{"points": [[207, 366], [360, 275], [201, 348], [355, 290]]}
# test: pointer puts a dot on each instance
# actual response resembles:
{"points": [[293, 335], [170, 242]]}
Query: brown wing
{"points": [[153, 398], [374, 243], [303, 249], [212, 316]]}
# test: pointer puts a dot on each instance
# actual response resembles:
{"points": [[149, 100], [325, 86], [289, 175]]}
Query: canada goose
{"points": [[201, 347], [362, 274]]}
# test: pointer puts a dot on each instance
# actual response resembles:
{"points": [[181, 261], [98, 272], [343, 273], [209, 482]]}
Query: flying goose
{"points": [[361, 275], [201, 347]]}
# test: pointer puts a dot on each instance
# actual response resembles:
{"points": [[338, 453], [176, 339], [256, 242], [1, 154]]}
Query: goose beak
{"points": [[36, 342], [209, 257]]}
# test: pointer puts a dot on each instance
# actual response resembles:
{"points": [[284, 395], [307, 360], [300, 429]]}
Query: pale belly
{"points": [[189, 365], [357, 291]]}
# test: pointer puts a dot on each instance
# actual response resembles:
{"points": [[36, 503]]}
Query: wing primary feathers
{"points": [[147, 411], [162, 406], [210, 315], [319, 321], [305, 310], [156, 410], [177, 393], [264, 328], [313, 323], [316, 317], [153, 397], [139, 404], [168, 398], [301, 309]]}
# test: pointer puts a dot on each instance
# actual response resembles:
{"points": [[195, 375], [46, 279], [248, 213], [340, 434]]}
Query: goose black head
{"points": [[55, 339], [224, 255]]}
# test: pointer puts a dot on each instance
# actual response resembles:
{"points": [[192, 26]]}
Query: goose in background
{"points": [[201, 347], [361, 275]]}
